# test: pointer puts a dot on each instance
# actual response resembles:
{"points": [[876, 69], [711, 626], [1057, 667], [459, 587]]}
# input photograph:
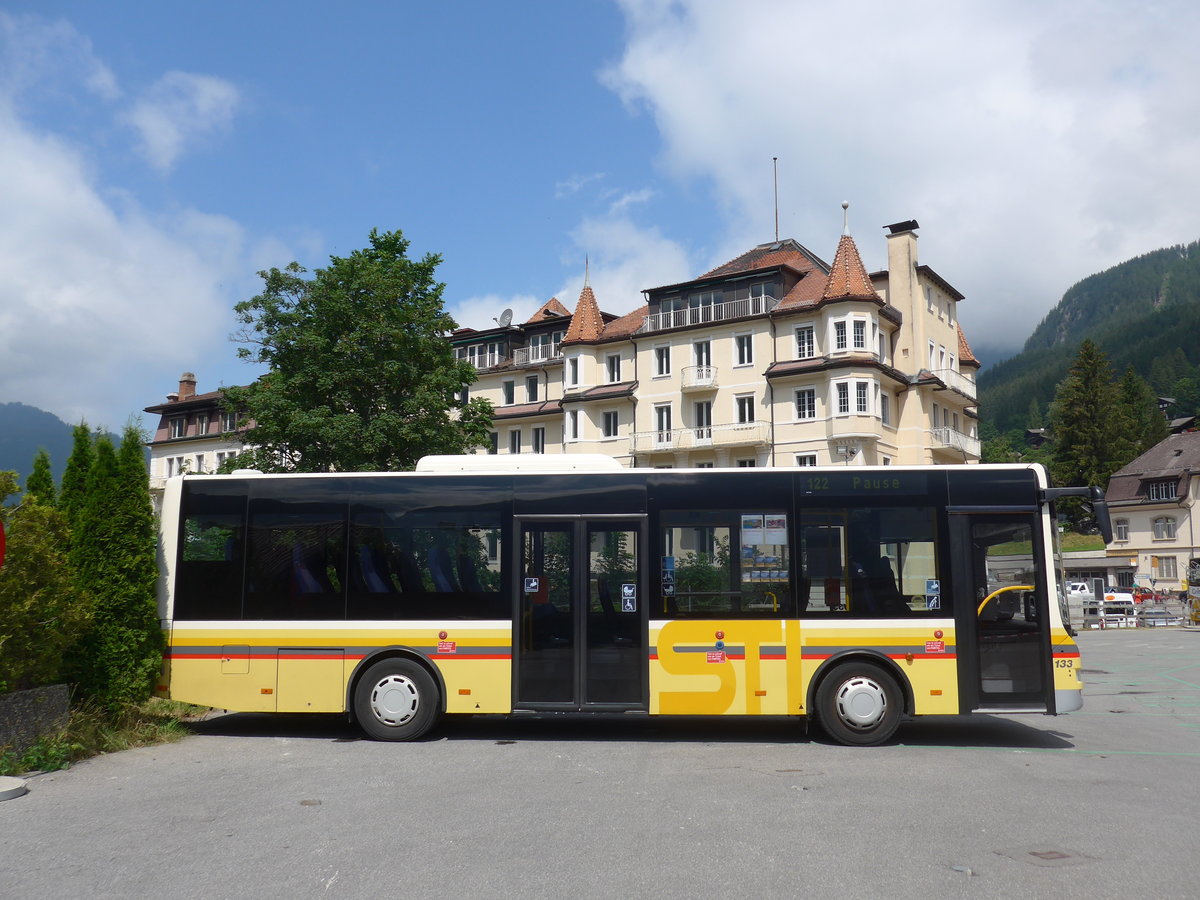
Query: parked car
{"points": [[1079, 590], [1156, 616]]}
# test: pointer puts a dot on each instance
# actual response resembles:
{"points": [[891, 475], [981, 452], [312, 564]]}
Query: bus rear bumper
{"points": [[1068, 701]]}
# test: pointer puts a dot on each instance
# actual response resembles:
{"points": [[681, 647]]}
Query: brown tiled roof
{"points": [[805, 292], [552, 307], [542, 408], [603, 392], [848, 279], [765, 256], [587, 323], [190, 403], [626, 324], [1175, 457], [964, 349]]}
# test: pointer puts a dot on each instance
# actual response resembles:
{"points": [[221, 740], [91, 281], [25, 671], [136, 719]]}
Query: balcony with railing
{"points": [[741, 434], [483, 360], [702, 315], [956, 382], [537, 354], [699, 378], [950, 439]]}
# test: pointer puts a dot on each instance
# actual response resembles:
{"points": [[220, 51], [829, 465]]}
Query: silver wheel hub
{"points": [[861, 702], [395, 700]]}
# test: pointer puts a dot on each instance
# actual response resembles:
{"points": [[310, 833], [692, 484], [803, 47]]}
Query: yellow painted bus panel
{"points": [[488, 681], [200, 681], [311, 685]]}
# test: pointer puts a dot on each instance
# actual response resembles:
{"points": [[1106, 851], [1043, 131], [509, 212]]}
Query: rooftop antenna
{"points": [[845, 217], [585, 270], [505, 318], [775, 164]]}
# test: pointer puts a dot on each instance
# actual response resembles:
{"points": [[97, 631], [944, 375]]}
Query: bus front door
{"points": [[1002, 613], [581, 621]]}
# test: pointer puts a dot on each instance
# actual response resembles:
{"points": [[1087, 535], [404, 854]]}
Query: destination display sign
{"points": [[882, 484]]}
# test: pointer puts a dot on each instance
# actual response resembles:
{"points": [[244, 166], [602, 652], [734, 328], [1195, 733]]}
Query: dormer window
{"points": [[1162, 490], [177, 426]]}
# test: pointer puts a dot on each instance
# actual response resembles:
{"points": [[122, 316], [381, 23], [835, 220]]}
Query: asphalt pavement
{"points": [[1096, 804]]}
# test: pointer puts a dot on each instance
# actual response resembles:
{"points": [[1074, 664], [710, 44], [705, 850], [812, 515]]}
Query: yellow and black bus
{"points": [[479, 584]]}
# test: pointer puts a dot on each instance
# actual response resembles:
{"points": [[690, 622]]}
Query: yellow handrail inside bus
{"points": [[774, 601], [998, 592]]}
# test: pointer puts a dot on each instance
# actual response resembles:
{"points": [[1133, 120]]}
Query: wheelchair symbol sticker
{"points": [[532, 585], [629, 598]]}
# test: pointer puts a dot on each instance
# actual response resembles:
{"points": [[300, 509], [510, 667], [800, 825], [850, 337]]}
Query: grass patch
{"points": [[90, 732], [1068, 541]]}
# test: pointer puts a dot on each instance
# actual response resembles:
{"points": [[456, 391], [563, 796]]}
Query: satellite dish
{"points": [[505, 318]]}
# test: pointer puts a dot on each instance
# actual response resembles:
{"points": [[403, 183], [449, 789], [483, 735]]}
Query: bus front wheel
{"points": [[859, 703], [396, 700]]}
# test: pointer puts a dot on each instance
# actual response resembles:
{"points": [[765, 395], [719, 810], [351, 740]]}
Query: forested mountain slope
{"points": [[1143, 313]]}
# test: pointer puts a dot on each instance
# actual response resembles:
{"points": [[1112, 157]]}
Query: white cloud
{"points": [[95, 303], [568, 187], [179, 109], [1035, 143], [631, 198], [40, 59]]}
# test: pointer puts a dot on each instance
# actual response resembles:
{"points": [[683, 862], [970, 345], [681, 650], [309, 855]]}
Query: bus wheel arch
{"points": [[860, 698], [395, 694]]}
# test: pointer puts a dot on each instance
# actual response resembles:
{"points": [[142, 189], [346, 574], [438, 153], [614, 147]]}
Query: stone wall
{"points": [[26, 716]]}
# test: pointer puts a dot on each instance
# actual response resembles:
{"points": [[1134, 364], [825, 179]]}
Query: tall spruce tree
{"points": [[113, 550], [75, 476], [39, 486], [1147, 425], [1091, 439]]}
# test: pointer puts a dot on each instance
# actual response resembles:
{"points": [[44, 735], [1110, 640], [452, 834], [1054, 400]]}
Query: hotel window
{"points": [[860, 334], [662, 422], [1122, 529], [229, 421], [745, 349], [464, 396], [573, 371], [507, 391], [493, 443], [704, 465], [662, 360], [843, 398], [806, 459], [175, 465], [177, 426], [573, 425], [806, 404], [745, 463], [839, 335], [199, 462], [613, 366], [885, 408], [932, 351], [531, 388], [805, 345], [703, 419], [702, 352], [1162, 490], [539, 440], [1164, 528], [609, 424], [514, 441], [202, 423], [745, 408], [861, 397], [1166, 567]]}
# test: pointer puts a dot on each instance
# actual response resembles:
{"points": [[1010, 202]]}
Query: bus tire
{"points": [[396, 700], [859, 703]]}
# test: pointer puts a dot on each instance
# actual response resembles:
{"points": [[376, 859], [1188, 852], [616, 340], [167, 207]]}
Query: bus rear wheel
{"points": [[859, 703], [396, 700]]}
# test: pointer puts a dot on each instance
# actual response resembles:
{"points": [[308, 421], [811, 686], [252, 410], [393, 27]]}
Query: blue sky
{"points": [[155, 156]]}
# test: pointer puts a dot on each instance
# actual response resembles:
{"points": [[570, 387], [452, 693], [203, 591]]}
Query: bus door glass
{"points": [[581, 614], [1004, 613]]}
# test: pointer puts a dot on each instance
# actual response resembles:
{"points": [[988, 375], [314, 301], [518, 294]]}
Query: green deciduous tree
{"points": [[41, 612], [40, 483], [1091, 439], [361, 376], [113, 550]]}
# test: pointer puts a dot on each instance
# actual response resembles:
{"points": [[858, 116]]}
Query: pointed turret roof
{"points": [[587, 323], [551, 309], [848, 278], [964, 350]]}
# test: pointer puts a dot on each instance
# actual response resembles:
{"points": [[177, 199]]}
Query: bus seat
{"points": [[468, 577], [440, 570], [304, 579], [374, 581]]}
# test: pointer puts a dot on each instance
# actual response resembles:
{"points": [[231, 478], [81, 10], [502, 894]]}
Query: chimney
{"points": [[187, 386]]}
